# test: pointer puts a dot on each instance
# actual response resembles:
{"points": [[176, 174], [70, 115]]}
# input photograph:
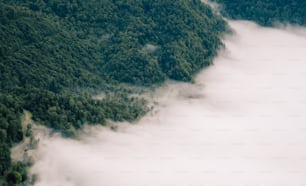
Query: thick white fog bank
{"points": [[243, 123]]}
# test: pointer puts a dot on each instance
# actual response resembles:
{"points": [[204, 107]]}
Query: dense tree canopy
{"points": [[266, 12], [82, 42], [55, 53]]}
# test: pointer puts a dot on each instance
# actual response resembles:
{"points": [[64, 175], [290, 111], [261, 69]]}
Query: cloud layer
{"points": [[241, 124]]}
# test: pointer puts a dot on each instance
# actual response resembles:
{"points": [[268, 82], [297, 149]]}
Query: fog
{"points": [[242, 123]]}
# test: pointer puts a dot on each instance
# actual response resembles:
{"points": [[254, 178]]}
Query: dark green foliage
{"points": [[36, 52], [14, 177], [5, 158], [266, 12], [10, 128], [85, 43], [65, 113], [51, 48], [17, 174], [29, 132], [54, 52]]}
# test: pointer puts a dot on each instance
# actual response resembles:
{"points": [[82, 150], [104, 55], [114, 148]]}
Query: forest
{"points": [[266, 12], [56, 55]]}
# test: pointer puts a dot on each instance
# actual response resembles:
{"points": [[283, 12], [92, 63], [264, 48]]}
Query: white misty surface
{"points": [[243, 123]]}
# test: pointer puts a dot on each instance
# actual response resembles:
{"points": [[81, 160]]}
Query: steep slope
{"points": [[54, 54]]}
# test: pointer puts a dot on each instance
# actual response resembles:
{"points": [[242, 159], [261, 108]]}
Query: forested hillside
{"points": [[55, 54], [266, 12]]}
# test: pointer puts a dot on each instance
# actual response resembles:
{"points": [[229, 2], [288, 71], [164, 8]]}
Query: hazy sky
{"points": [[243, 123]]}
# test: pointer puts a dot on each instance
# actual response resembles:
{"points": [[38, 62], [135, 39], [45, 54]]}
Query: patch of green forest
{"points": [[54, 54], [266, 12]]}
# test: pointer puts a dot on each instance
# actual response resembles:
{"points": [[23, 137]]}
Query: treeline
{"points": [[266, 12], [64, 113], [54, 54]]}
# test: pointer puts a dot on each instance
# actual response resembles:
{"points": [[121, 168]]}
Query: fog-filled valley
{"points": [[242, 123]]}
